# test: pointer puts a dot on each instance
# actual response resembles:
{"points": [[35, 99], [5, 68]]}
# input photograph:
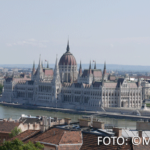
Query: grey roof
{"points": [[30, 120]]}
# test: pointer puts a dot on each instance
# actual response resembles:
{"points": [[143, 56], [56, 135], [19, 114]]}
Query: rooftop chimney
{"points": [[98, 125], [118, 131], [140, 133], [84, 123], [67, 120]]}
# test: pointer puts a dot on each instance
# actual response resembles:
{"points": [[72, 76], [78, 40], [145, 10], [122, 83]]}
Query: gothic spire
{"points": [[68, 48], [90, 72], [56, 63], [42, 64], [33, 69], [47, 64], [80, 65], [40, 70], [40, 61], [95, 65], [80, 69], [90, 65], [104, 72], [139, 82]]}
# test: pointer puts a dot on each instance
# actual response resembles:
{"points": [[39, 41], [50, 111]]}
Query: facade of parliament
{"points": [[66, 86]]}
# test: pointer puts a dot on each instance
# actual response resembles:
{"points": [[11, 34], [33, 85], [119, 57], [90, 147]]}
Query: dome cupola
{"points": [[67, 58]]}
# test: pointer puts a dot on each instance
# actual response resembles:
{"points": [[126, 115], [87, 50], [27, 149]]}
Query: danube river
{"points": [[15, 113]]}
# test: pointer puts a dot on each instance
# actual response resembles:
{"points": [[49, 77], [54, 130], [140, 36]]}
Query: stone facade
{"points": [[146, 89], [65, 87]]}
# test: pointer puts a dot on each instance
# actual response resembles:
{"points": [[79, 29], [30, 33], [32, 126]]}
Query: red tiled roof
{"points": [[58, 136], [26, 135], [97, 73], [112, 78], [110, 85], [48, 72], [71, 137], [90, 142], [141, 147], [8, 126]]}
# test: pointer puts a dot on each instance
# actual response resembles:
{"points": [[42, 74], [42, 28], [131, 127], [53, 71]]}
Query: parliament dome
{"points": [[67, 58]]}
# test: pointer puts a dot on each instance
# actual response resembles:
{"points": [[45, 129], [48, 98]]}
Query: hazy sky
{"points": [[117, 31]]}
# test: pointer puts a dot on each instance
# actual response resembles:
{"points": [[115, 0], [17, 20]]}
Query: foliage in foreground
{"points": [[19, 145], [15, 132]]}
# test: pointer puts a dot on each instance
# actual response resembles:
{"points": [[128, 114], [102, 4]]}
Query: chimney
{"points": [[67, 120], [28, 126], [98, 125], [140, 133], [44, 124], [55, 118], [4, 120], [118, 131], [49, 122], [84, 123], [10, 119]]}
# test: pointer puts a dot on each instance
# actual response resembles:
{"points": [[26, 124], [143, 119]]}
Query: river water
{"points": [[15, 113]]}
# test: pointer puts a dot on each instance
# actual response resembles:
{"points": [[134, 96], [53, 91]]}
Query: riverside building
{"points": [[69, 87]]}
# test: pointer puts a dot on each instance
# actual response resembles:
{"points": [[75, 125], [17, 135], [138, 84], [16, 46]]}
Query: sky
{"points": [[115, 31]]}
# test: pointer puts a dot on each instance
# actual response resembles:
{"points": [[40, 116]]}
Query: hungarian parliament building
{"points": [[67, 86]]}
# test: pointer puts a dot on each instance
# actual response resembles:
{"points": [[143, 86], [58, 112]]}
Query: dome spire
{"points": [[68, 48]]}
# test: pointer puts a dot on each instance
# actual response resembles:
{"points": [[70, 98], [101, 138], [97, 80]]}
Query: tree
{"points": [[14, 132], [19, 145]]}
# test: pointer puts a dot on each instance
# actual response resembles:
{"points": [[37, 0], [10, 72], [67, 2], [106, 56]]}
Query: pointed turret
{"points": [[56, 80], [104, 74], [105, 67], [42, 64], [90, 65], [104, 71], [33, 69], [56, 67], [68, 48], [47, 64], [40, 69], [80, 69], [56, 71], [95, 65], [90, 72], [139, 82]]}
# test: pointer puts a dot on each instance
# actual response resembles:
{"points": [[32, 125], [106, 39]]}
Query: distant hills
{"points": [[114, 67]]}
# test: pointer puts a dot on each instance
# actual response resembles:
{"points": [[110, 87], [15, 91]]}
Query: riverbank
{"points": [[79, 112]]}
